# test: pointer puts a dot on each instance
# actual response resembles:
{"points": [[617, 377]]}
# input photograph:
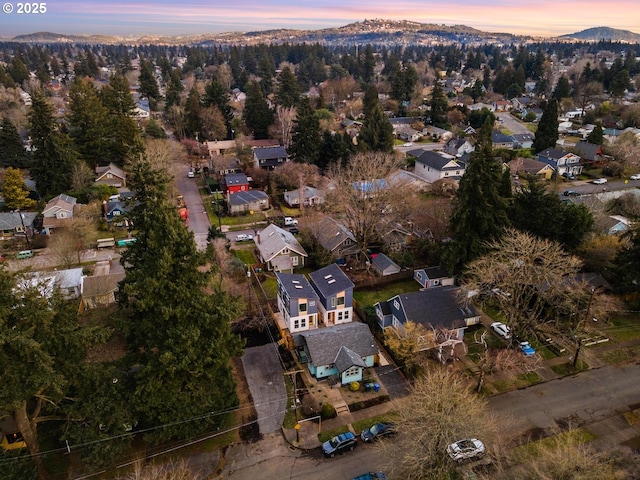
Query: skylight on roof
{"points": [[333, 280], [297, 282], [327, 277], [299, 287]]}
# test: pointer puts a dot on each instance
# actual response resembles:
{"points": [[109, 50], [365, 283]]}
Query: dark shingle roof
{"points": [[236, 179], [437, 161], [266, 153], [436, 307], [242, 198], [382, 262], [330, 280], [324, 344], [296, 285], [347, 358]]}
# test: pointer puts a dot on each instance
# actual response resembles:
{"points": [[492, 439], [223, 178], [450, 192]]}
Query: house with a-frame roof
{"points": [[433, 166], [297, 302], [342, 350], [443, 312], [279, 250], [335, 292], [269, 158], [433, 277]]}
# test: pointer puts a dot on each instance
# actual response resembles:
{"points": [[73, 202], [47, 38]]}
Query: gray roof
{"points": [[296, 285], [499, 137], [438, 161], [273, 239], [330, 280], [11, 220], [436, 307], [236, 179], [436, 272], [382, 262], [554, 153], [324, 344], [347, 358], [332, 234], [242, 198], [266, 153]]}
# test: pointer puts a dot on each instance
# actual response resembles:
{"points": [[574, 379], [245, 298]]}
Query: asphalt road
{"points": [[597, 398], [198, 218], [588, 188], [512, 124]]}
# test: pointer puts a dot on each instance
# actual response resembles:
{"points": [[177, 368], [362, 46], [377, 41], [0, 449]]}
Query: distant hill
{"points": [[603, 33]]}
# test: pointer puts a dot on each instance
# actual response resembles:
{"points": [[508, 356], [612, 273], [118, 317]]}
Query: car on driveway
{"points": [[635, 176], [191, 174], [570, 193], [465, 449], [243, 237], [599, 181], [379, 430], [501, 330], [527, 349], [407, 144], [339, 443]]}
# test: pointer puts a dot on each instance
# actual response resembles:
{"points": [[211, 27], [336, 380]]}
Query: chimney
{"points": [[258, 238]]}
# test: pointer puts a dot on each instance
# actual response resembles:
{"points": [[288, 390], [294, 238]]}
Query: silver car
{"points": [[465, 449], [501, 330]]}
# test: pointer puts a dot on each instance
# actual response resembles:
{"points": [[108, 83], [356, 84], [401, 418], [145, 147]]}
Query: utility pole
{"points": [[586, 316], [294, 374]]}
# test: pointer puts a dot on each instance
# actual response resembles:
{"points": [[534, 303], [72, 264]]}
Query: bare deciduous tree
{"points": [[285, 119], [441, 409], [362, 194], [81, 176], [524, 275]]}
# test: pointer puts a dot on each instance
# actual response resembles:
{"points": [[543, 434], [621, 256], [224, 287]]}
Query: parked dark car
{"points": [[379, 430], [339, 443], [294, 230], [570, 193]]}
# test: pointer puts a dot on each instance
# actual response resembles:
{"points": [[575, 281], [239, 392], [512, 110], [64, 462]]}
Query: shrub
{"points": [[354, 386], [328, 411]]}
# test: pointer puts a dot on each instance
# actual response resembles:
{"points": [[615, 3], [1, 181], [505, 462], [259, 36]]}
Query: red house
{"points": [[235, 182]]}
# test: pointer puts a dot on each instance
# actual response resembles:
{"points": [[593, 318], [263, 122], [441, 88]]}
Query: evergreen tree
{"points": [[627, 264], [215, 94], [439, 106], [369, 65], [547, 133], [178, 321], [257, 115], [376, 135], [18, 70], [12, 151], [597, 135], [192, 121], [306, 138], [335, 148], [53, 156], [479, 211], [147, 81], [288, 91], [174, 89], [87, 122], [563, 89]]}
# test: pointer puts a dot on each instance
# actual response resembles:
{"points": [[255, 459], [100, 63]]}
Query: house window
{"points": [[303, 307], [62, 215], [333, 302], [396, 304], [303, 322], [340, 300], [339, 315], [310, 320], [294, 261], [352, 371], [296, 324], [346, 315], [285, 250]]}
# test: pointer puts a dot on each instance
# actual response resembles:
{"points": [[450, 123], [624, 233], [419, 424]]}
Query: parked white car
{"points": [[599, 181], [465, 449], [243, 237], [501, 330], [635, 176]]}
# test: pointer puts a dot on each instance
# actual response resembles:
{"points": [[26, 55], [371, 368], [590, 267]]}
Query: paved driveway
{"points": [[265, 377]]}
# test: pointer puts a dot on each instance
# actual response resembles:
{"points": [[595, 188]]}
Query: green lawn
{"points": [[324, 436], [247, 256], [370, 297], [270, 287], [622, 328]]}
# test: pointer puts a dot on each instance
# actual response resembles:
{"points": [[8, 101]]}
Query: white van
{"points": [[25, 254], [290, 221]]}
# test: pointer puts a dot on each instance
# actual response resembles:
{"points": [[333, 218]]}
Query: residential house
{"points": [[17, 223], [438, 134], [563, 162], [221, 166], [433, 277], [529, 112], [407, 134], [344, 351], [269, 158], [591, 153], [219, 147], [383, 265], [530, 166], [58, 212], [111, 175], [309, 196], [480, 106], [500, 140], [335, 292], [433, 166], [68, 282], [520, 103], [502, 106], [297, 302], [613, 224], [99, 289], [458, 147], [399, 235], [522, 140], [234, 183], [278, 249], [439, 310], [336, 239], [249, 201]]}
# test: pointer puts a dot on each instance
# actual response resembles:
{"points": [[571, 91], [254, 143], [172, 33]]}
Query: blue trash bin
{"points": [[376, 387]]}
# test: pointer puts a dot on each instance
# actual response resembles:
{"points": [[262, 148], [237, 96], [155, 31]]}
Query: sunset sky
{"points": [[174, 17]]}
